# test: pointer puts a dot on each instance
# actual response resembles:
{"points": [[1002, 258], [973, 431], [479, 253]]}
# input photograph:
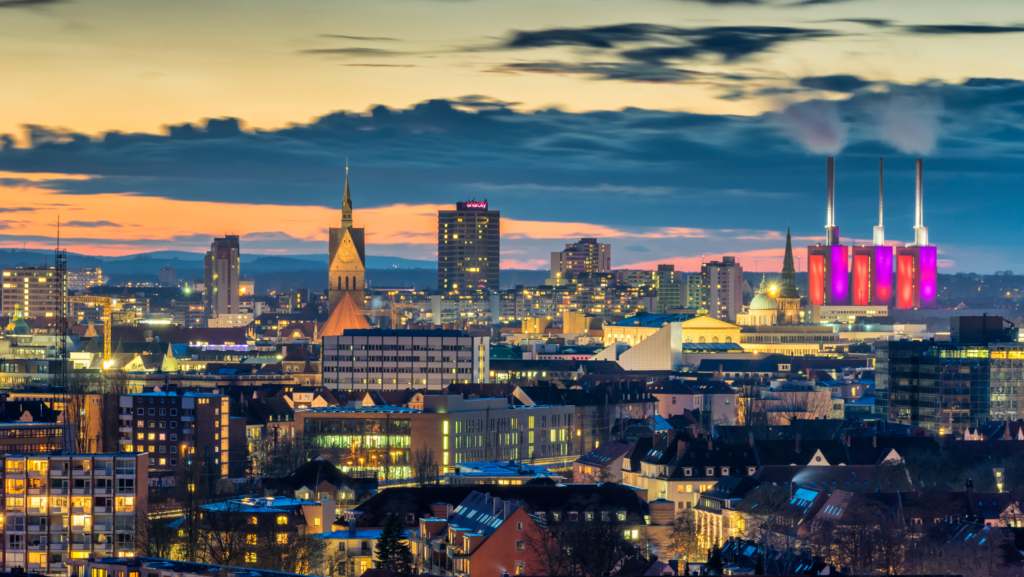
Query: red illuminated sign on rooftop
{"points": [[472, 205]]}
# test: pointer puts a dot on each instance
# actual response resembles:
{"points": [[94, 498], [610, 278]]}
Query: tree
{"points": [[392, 548], [158, 539], [590, 546], [715, 565], [192, 490], [113, 385], [79, 387], [683, 537], [424, 466], [224, 539]]}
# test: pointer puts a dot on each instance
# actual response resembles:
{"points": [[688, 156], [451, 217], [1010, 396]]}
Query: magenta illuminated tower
{"points": [[872, 265], [828, 274], [917, 264]]}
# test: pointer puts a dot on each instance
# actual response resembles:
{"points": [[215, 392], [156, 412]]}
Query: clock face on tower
{"points": [[347, 251]]}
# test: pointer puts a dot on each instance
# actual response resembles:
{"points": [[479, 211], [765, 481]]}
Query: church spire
{"points": [[788, 288], [346, 203]]}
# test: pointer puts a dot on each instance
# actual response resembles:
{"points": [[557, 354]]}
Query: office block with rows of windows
{"points": [[59, 507]]}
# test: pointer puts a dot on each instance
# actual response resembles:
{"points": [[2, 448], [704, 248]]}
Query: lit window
{"points": [[250, 539], [250, 557], [282, 520], [282, 538], [254, 520]]}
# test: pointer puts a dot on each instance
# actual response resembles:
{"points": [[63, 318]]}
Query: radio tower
{"points": [[60, 264]]}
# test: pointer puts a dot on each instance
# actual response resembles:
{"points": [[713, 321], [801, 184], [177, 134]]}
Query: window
{"points": [[282, 520], [162, 412], [174, 412], [254, 520], [519, 526], [316, 521], [710, 471], [621, 515], [520, 567], [282, 538], [174, 436], [589, 515], [174, 424], [520, 545], [152, 411], [574, 516], [250, 557], [250, 539]]}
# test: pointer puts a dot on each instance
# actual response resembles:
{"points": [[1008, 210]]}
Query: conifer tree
{"points": [[392, 548]]}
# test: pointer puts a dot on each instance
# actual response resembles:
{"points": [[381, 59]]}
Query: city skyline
{"points": [[648, 126]]}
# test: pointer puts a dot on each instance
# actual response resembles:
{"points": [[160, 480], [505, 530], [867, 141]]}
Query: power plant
{"points": [[828, 265]]}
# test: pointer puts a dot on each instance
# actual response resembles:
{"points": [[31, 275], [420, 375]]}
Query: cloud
{"points": [[27, 3], [872, 22], [90, 224], [816, 125], [962, 29], [15, 209], [835, 83], [634, 176], [627, 71], [361, 38], [368, 52]]}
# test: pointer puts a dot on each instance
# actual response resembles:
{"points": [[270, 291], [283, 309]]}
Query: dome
{"points": [[763, 300]]}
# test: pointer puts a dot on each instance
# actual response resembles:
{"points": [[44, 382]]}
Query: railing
{"points": [[80, 510], [102, 491], [80, 546], [104, 472], [59, 472], [58, 490], [81, 528], [82, 472], [124, 429], [58, 509], [36, 491], [102, 528], [37, 528], [36, 473], [103, 509], [81, 491]]}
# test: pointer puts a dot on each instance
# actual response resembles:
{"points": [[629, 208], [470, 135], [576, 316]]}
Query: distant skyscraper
{"points": [[670, 288], [80, 279], [347, 258], [221, 268], [585, 256], [169, 276], [32, 292], [468, 247], [722, 288]]}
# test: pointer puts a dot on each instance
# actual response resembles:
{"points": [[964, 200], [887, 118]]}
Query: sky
{"points": [[676, 130]]}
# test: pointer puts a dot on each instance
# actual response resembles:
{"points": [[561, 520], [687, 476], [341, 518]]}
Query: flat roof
{"points": [[174, 394]]}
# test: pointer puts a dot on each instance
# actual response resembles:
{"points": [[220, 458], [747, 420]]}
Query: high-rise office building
{"points": [[917, 264], [828, 274], [347, 258], [169, 276], [671, 289], [32, 292], [220, 272], [80, 279], [585, 256], [468, 247], [722, 288], [693, 291]]}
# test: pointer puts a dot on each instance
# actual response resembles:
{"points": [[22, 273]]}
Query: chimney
{"points": [[680, 447], [751, 440], [495, 507], [879, 233], [831, 230], [874, 441], [846, 439], [920, 230], [352, 524], [970, 487], [508, 510], [711, 444], [797, 439]]}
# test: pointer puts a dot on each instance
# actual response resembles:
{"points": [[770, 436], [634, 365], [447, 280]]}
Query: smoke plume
{"points": [[816, 125], [910, 123]]}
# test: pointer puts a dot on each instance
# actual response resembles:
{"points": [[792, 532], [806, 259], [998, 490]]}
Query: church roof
{"points": [[345, 316], [763, 300]]}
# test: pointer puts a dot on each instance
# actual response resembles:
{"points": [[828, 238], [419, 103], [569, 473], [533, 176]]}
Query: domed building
{"points": [[763, 309]]}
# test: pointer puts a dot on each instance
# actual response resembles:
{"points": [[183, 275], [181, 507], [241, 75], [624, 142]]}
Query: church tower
{"points": [[788, 297], [347, 258]]}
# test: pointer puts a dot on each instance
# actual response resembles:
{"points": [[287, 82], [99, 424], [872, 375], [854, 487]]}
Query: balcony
{"points": [[103, 509], [80, 510], [188, 419], [102, 491], [37, 510], [125, 430], [54, 509], [102, 528], [58, 490], [36, 491], [36, 474], [81, 528], [104, 472], [81, 491], [82, 472], [80, 546], [37, 567], [58, 529], [37, 528], [108, 546], [59, 472], [37, 546]]}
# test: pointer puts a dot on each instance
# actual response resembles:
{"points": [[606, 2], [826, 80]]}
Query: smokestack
{"points": [[831, 230], [879, 235], [920, 230]]}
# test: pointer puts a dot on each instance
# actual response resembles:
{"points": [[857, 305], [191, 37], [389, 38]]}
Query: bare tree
{"points": [[224, 538], [114, 384], [586, 548], [683, 538], [192, 491], [157, 539], [75, 410], [424, 466]]}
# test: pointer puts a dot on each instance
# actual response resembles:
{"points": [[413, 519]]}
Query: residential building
{"points": [[168, 424], [468, 247], [717, 402], [80, 279], [717, 514], [363, 359], [220, 274], [585, 256], [694, 291], [359, 547], [722, 288], [157, 567], [187, 314], [602, 464], [63, 507], [452, 429], [671, 288], [32, 438], [30, 292]]}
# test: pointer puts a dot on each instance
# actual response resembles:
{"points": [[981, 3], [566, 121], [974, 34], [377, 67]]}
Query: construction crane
{"points": [[393, 312], [109, 305]]}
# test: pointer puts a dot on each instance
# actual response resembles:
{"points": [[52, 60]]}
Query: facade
{"points": [[917, 264], [717, 402], [389, 360], [80, 279], [671, 288], [468, 247], [693, 291], [498, 473], [816, 314], [31, 292], [168, 425], [26, 438], [722, 288], [788, 340], [585, 256], [454, 430], [763, 309], [220, 273], [187, 314], [157, 567], [64, 507], [828, 275], [347, 258]]}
